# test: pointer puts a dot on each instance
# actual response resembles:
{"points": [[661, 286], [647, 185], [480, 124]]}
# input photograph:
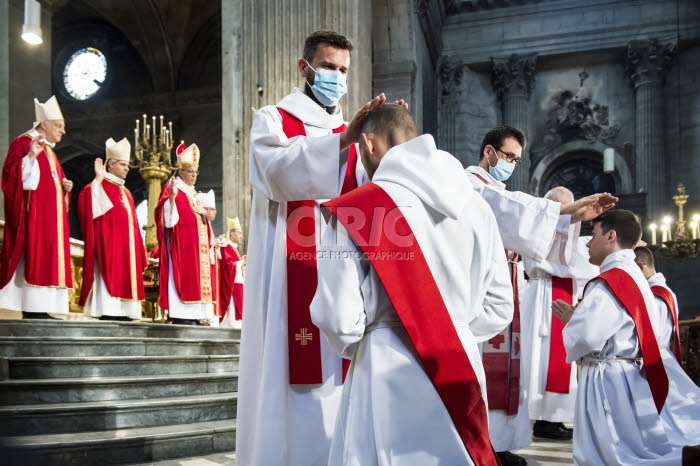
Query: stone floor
{"points": [[540, 453]]}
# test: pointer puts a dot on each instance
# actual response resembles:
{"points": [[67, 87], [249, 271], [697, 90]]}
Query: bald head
{"points": [[384, 127], [560, 194]]}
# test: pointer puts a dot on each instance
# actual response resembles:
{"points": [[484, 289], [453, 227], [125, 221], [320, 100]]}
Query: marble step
{"points": [[109, 415], [121, 445], [113, 346], [77, 390], [99, 328], [117, 366]]}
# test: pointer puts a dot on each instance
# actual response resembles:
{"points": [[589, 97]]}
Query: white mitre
{"points": [[118, 150], [207, 200], [49, 110]]}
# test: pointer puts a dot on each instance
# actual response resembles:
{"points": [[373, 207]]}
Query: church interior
{"points": [[606, 91]]}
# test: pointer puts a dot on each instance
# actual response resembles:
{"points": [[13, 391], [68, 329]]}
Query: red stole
{"points": [[228, 287], [628, 294], [36, 222], [189, 251], [558, 370], [303, 337], [502, 353], [667, 297], [214, 274], [113, 241], [423, 314]]}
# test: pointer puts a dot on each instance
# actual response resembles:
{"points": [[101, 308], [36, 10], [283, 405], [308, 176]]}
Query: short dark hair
{"points": [[324, 36], [625, 223], [390, 120], [645, 256], [498, 135]]}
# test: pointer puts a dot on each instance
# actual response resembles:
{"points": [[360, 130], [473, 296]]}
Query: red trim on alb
{"points": [[665, 295]]}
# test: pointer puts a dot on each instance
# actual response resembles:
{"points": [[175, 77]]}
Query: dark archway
{"points": [[581, 172]]}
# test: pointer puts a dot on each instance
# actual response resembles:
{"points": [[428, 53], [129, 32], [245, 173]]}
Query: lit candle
{"points": [[694, 229], [136, 137], [170, 128], [696, 221], [137, 125], [664, 233], [161, 125], [148, 132], [653, 227], [167, 138], [667, 222], [144, 122]]}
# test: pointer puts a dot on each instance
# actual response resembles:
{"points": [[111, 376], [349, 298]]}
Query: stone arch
{"points": [[573, 150]]}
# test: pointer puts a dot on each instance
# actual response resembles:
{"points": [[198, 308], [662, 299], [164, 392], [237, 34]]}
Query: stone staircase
{"points": [[98, 393]]}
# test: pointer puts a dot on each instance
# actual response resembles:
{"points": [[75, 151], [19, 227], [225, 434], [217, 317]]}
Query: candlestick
{"points": [[161, 125], [170, 128], [653, 227], [136, 137], [148, 133], [137, 125], [144, 122]]}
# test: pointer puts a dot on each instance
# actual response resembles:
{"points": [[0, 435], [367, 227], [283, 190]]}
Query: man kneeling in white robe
{"points": [[410, 314], [681, 414], [612, 334]]}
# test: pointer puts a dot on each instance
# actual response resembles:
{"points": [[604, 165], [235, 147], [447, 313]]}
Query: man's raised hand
{"points": [[35, 147], [589, 207], [99, 170], [351, 135], [173, 190]]}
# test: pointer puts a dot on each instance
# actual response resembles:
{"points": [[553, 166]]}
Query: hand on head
{"points": [[351, 135], [589, 207]]}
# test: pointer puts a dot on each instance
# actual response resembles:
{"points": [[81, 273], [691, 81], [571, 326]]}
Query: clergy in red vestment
{"points": [[232, 275], [35, 269], [207, 201], [115, 257], [183, 236]]}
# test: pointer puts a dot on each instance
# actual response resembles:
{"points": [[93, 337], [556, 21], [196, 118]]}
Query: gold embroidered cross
{"points": [[304, 337]]}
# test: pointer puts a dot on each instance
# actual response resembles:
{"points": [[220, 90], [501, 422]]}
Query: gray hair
{"points": [[559, 194]]}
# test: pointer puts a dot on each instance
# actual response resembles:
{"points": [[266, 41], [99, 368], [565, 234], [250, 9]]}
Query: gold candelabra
{"points": [[152, 150], [683, 243]]}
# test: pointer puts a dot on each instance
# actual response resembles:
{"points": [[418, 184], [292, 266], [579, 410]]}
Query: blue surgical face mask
{"points": [[329, 86], [502, 170]]}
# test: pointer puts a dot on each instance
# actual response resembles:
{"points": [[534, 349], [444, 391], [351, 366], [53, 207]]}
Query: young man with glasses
{"points": [[535, 228]]}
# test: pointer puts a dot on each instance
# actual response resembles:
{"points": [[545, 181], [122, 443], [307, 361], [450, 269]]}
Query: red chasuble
{"points": [[227, 286], [558, 370], [423, 313], [630, 297], [303, 337], [667, 297], [189, 250], [36, 222], [113, 241]]}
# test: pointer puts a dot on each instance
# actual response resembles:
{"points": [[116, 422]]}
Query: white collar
{"points": [[477, 170], [114, 179], [191, 191], [301, 106], [618, 259]]}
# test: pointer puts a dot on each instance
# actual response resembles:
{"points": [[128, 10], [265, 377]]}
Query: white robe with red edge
{"points": [[536, 329], [279, 424], [681, 413], [534, 228], [391, 413], [616, 420]]}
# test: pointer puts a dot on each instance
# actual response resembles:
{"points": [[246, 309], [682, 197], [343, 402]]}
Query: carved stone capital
{"points": [[451, 78], [514, 75], [648, 61]]}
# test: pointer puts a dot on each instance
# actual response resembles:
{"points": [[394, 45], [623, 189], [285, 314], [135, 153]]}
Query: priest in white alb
{"points": [[412, 276], [35, 266], [207, 201], [612, 335], [681, 414], [530, 227], [231, 275], [300, 152], [115, 257], [549, 380]]}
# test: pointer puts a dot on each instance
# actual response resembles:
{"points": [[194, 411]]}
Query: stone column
{"points": [[261, 44], [513, 79], [450, 73], [646, 64]]}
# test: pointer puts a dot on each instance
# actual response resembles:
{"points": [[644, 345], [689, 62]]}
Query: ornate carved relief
{"points": [[451, 79], [572, 117], [514, 75], [649, 60]]}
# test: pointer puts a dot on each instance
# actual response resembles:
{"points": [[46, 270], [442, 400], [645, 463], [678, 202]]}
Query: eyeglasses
{"points": [[510, 158]]}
